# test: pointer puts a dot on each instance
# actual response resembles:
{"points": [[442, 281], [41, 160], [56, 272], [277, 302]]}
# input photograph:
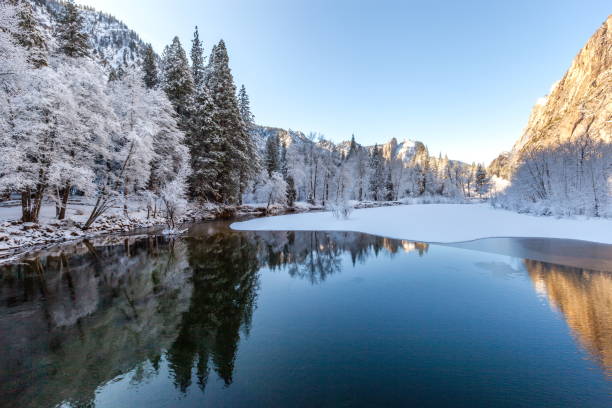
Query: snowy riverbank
{"points": [[17, 238], [443, 223]]}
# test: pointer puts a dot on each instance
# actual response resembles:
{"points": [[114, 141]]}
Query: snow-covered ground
{"points": [[16, 236], [443, 223]]}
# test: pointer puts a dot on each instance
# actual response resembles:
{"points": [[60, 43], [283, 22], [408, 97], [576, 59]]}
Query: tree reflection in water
{"points": [[82, 315], [72, 321]]}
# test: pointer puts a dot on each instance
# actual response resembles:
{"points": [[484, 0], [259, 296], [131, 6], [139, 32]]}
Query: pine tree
{"points": [[481, 180], [198, 69], [149, 66], [272, 154], [177, 79], [29, 35], [206, 148], [376, 174], [283, 161], [239, 162], [389, 191], [291, 192], [73, 41], [353, 147], [245, 107]]}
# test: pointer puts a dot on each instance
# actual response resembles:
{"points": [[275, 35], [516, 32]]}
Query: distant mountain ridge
{"points": [[404, 151]]}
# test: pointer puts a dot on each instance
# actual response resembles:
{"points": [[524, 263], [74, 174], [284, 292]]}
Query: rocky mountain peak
{"points": [[580, 103]]}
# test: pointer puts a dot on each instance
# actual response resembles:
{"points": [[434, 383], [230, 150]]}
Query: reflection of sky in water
{"points": [[281, 319]]}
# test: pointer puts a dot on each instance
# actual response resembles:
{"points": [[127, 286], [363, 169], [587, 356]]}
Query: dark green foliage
{"points": [[72, 40], [29, 35], [291, 191], [177, 80], [353, 147], [149, 66], [197, 59], [283, 161], [206, 148], [389, 192], [272, 154], [481, 180], [238, 159], [245, 108], [376, 174], [225, 283]]}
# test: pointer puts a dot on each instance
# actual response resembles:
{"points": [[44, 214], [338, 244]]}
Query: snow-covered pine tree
{"points": [[481, 180], [206, 148], [149, 66], [198, 68], [389, 190], [239, 163], [29, 34], [272, 154], [284, 168], [177, 78], [72, 39], [291, 191], [353, 147], [376, 174], [245, 108]]}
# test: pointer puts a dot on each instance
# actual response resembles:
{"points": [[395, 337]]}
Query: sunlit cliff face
{"points": [[585, 300]]}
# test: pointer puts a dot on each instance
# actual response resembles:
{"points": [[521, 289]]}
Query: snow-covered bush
{"points": [[269, 189], [342, 209], [573, 178], [173, 197]]}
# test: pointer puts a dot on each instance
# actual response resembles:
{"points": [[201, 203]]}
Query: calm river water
{"points": [[304, 319]]}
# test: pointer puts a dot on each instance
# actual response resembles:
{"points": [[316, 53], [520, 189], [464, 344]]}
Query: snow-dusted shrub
{"points": [[434, 199], [573, 178], [268, 189], [342, 209], [173, 197]]}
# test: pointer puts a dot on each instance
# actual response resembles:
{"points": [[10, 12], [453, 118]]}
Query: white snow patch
{"points": [[499, 185], [442, 223], [541, 100]]}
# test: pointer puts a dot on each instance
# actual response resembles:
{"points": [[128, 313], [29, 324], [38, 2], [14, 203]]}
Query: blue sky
{"points": [[461, 76]]}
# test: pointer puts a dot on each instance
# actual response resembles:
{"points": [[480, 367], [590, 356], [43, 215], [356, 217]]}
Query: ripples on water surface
{"points": [[237, 319]]}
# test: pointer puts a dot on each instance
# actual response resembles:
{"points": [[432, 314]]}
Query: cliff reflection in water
{"points": [[75, 318], [584, 299]]}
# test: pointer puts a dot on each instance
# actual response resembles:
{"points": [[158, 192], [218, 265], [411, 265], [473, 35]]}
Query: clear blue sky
{"points": [[461, 76]]}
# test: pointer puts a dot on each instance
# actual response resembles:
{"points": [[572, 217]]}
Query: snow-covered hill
{"points": [[112, 42]]}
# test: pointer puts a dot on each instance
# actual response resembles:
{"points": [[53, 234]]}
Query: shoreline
{"points": [[239, 218], [71, 234], [56, 233]]}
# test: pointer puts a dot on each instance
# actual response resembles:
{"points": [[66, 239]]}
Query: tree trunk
{"points": [[26, 206], [125, 199], [65, 194], [38, 197]]}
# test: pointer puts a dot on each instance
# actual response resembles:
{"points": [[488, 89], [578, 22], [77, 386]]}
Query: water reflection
{"points": [[225, 280], [316, 255], [584, 298], [75, 318], [72, 322]]}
